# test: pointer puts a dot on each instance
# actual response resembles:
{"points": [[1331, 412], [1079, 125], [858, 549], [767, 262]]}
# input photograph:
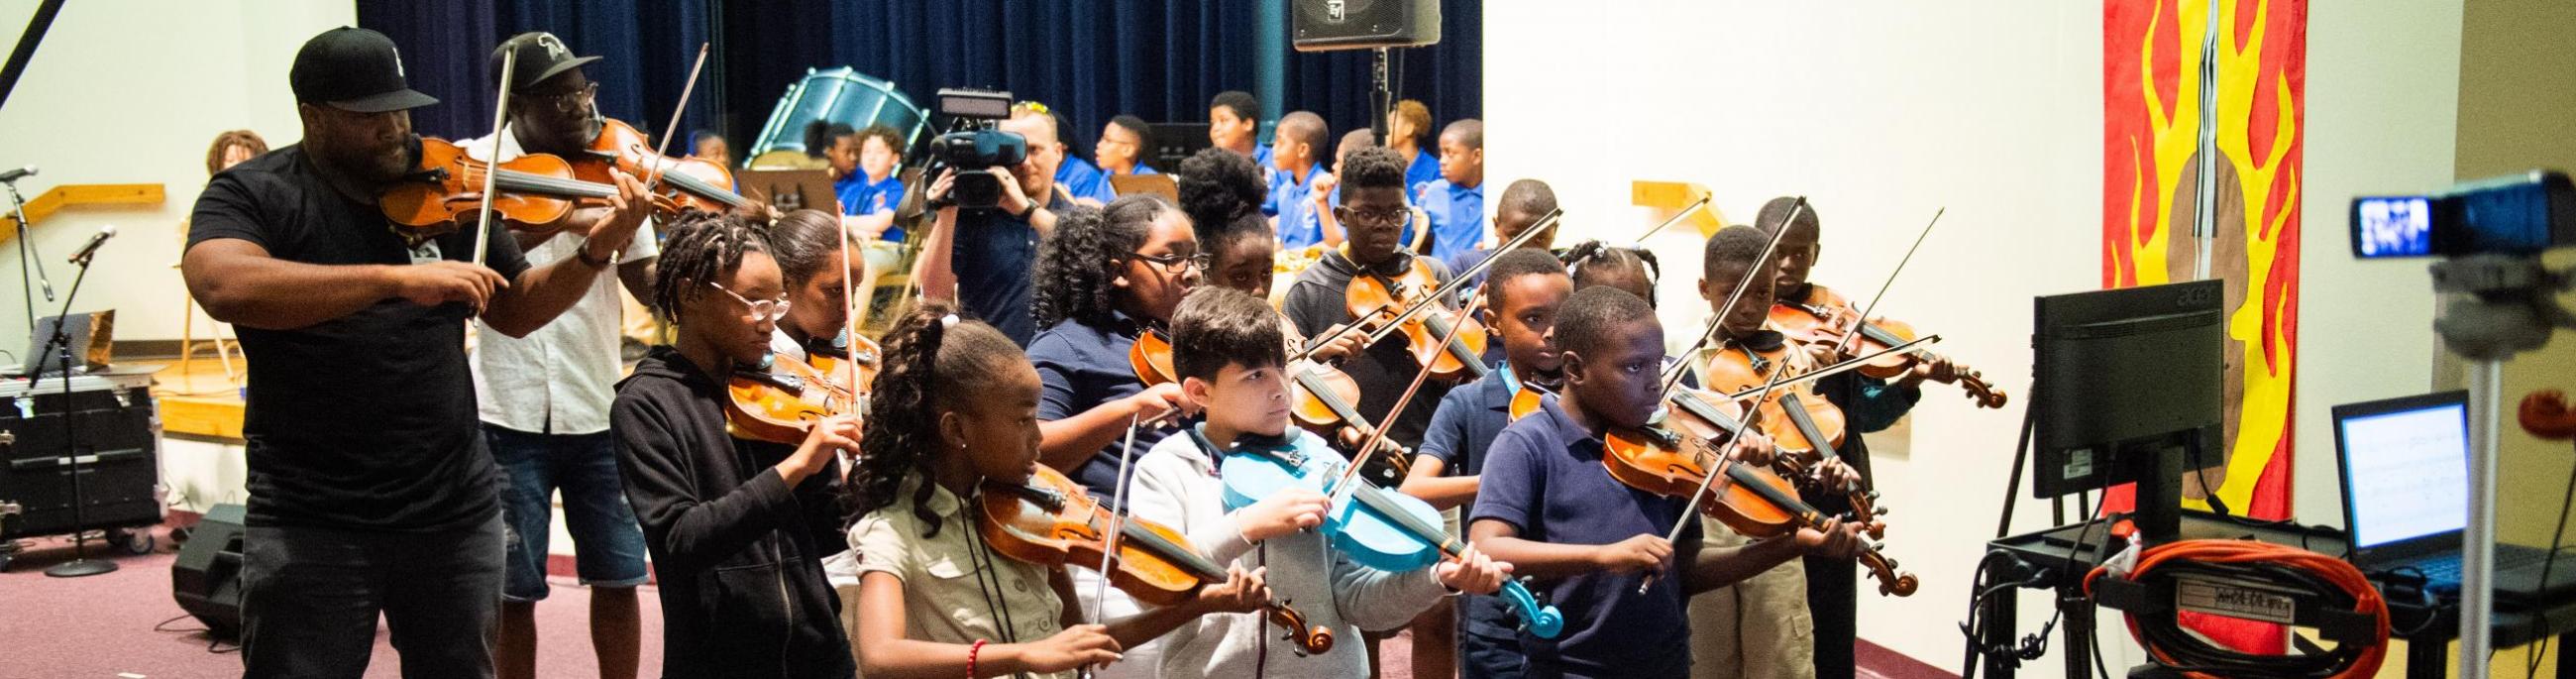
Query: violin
{"points": [[1826, 316], [1378, 528], [534, 189], [1374, 296], [780, 403], [1325, 402], [1796, 417], [1752, 501], [1049, 520], [688, 182]]}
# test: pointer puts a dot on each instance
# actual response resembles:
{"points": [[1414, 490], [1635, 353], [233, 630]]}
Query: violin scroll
{"points": [[1310, 639]]}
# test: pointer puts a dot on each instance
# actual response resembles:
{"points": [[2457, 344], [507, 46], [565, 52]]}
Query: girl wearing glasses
{"points": [[726, 520], [1104, 279]]}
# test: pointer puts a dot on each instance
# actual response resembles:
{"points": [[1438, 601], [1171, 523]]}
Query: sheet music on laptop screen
{"points": [[2409, 473]]}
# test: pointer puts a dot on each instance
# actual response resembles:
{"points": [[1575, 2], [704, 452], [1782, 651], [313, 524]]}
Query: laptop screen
{"points": [[2405, 470]]}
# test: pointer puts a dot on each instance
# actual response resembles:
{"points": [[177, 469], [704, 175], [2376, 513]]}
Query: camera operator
{"points": [[989, 274]]}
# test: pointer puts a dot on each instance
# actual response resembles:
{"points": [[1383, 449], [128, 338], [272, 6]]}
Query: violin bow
{"points": [[1457, 280], [1694, 206], [492, 166], [1377, 432], [1846, 341], [655, 179], [1118, 506]]}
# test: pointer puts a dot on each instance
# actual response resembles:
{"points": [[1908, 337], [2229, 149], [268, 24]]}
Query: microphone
{"points": [[104, 233], [8, 176]]}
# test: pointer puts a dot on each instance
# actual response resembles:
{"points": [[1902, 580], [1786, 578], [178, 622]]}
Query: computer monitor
{"points": [[2128, 386]]}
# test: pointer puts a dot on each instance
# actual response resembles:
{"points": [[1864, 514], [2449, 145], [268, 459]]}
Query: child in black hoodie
{"points": [[743, 592]]}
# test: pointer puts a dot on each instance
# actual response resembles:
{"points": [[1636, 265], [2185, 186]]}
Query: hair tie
{"points": [[948, 321]]}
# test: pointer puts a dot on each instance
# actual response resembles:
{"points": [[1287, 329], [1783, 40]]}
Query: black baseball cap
{"points": [[353, 69], [541, 56]]}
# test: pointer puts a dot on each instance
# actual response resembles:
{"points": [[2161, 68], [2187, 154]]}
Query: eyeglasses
{"points": [[1172, 264], [570, 102], [1377, 217], [763, 310]]}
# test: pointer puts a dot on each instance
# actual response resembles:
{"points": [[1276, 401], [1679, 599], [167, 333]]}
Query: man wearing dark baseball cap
{"points": [[371, 490]]}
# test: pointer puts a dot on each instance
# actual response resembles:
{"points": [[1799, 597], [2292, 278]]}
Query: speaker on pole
{"points": [[207, 577], [1320, 25]]}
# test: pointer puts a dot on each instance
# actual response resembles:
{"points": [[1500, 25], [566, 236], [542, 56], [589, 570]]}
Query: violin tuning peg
{"points": [[1879, 511]]}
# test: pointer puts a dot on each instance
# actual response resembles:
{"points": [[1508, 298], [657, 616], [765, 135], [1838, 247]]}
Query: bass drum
{"points": [[840, 95]]}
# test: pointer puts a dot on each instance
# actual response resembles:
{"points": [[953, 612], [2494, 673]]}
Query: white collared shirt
{"points": [[561, 377]]}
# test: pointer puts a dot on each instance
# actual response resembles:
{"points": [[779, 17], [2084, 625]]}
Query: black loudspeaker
{"points": [[1321, 25], [207, 578]]}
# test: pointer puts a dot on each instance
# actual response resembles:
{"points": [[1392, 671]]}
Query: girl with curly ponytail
{"points": [[957, 405]]}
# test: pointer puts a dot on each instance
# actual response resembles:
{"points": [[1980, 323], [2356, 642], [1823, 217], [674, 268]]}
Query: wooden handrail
{"points": [[69, 195]]}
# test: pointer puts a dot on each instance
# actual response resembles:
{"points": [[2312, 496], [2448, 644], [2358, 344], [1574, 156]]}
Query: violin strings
{"points": [[1673, 378]]}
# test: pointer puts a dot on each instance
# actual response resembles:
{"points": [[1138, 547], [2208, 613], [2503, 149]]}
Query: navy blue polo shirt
{"points": [[1543, 475], [993, 256], [1461, 430], [1080, 366]]}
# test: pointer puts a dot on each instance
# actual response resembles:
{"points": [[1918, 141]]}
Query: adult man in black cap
{"points": [[371, 491], [544, 397]]}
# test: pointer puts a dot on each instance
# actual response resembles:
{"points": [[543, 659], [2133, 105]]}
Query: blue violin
{"points": [[1380, 529]]}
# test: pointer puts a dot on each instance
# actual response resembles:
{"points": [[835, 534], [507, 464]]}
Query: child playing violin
{"points": [[727, 521], [1227, 349], [1868, 405], [1374, 213], [1547, 504], [936, 601], [1522, 290]]}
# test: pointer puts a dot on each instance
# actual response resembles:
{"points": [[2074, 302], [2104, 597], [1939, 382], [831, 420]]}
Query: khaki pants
{"points": [[1755, 629]]}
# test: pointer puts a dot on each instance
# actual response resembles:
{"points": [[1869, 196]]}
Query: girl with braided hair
{"points": [[957, 405], [729, 523]]}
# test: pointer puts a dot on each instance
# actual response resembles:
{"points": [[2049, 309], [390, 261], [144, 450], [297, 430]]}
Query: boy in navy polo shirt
{"points": [[1525, 290], [1456, 203], [1296, 153], [1546, 504]]}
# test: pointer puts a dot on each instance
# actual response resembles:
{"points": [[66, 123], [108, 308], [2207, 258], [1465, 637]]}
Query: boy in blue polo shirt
{"points": [[1296, 155], [1234, 124], [1456, 203], [1546, 504], [1524, 290], [868, 197]]}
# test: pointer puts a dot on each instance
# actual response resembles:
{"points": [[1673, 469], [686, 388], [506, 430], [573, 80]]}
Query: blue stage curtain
{"points": [[1161, 60]]}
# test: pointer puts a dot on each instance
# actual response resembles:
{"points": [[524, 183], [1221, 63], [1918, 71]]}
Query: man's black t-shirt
{"points": [[368, 420], [1317, 301]]}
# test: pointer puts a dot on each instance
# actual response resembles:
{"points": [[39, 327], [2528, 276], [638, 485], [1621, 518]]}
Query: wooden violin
{"points": [[1323, 402], [780, 403], [688, 182], [1374, 296], [1049, 520], [534, 190], [1797, 418], [1826, 317], [1750, 500]]}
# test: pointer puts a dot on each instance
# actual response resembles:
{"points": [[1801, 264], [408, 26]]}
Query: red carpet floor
{"points": [[104, 625], [125, 625]]}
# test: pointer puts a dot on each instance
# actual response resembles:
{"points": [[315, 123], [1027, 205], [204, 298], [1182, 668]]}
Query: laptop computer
{"points": [[2405, 472]]}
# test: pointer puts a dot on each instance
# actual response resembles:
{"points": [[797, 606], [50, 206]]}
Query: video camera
{"points": [[973, 146], [2513, 215]]}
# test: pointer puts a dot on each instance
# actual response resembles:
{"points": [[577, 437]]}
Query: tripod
{"points": [[60, 341]]}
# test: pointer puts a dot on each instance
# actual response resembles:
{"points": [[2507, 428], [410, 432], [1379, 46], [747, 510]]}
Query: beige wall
{"points": [[1882, 111], [132, 91]]}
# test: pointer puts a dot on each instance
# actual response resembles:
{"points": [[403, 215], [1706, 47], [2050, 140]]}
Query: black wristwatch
{"points": [[583, 254], [1024, 215]]}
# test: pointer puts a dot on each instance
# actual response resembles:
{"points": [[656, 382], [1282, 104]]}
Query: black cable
{"points": [[2531, 665]]}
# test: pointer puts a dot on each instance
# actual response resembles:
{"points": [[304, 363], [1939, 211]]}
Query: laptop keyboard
{"points": [[2446, 569]]}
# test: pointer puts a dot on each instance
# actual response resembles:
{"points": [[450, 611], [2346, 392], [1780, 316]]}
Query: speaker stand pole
{"points": [[80, 565], [1381, 96]]}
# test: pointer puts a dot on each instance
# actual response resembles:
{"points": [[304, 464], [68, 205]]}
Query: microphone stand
{"points": [[80, 565], [29, 269]]}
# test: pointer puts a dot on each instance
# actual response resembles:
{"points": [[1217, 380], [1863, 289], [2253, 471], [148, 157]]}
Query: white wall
{"points": [[132, 92], [1881, 111]]}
